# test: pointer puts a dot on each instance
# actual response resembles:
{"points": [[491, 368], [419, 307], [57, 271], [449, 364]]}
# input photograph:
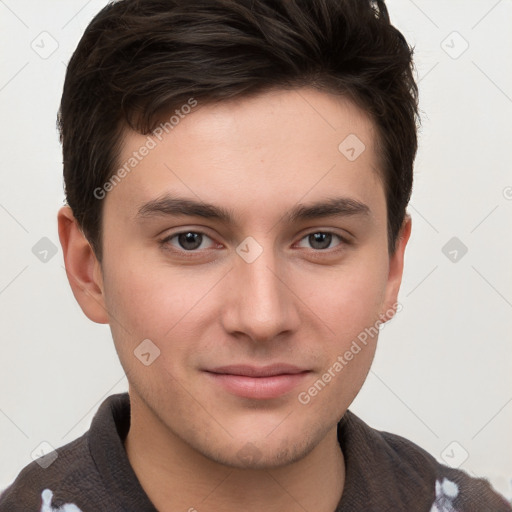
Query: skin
{"points": [[299, 302]]}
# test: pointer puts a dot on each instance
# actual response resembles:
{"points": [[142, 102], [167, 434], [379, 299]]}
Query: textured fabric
{"points": [[388, 473], [93, 472], [384, 472]]}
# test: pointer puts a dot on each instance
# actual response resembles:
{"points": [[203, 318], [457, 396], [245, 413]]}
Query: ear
{"points": [[396, 268], [82, 267]]}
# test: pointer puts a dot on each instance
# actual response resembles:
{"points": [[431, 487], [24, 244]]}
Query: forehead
{"points": [[271, 149]]}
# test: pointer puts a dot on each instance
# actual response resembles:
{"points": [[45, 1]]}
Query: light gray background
{"points": [[442, 372]]}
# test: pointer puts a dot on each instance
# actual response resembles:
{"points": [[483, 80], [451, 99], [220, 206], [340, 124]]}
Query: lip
{"points": [[258, 382]]}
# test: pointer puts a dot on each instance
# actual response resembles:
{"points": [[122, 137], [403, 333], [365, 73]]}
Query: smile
{"points": [[260, 383]]}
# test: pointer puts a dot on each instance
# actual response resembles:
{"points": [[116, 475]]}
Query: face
{"points": [[253, 299]]}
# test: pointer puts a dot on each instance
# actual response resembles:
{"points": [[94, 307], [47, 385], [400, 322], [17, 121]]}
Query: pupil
{"points": [[323, 238], [189, 240]]}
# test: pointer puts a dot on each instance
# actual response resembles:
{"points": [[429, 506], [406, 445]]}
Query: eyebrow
{"points": [[175, 206]]}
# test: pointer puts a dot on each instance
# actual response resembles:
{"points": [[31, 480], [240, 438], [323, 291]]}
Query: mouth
{"points": [[258, 382]]}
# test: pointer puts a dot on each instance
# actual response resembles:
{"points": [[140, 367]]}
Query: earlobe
{"points": [[396, 268], [82, 267]]}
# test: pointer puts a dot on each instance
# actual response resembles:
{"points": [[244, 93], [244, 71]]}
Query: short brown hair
{"points": [[139, 59]]}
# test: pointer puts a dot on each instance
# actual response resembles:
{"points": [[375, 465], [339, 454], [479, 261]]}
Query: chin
{"points": [[260, 454]]}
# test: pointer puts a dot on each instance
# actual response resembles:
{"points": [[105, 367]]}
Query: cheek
{"points": [[149, 300], [351, 309], [159, 303], [347, 299]]}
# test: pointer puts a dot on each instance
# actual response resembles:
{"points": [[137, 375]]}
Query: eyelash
{"points": [[165, 243]]}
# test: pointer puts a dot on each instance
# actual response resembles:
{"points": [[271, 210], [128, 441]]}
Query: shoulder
{"points": [[70, 477], [454, 487], [414, 474], [61, 471]]}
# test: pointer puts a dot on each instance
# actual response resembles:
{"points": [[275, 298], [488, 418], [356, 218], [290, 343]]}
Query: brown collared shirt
{"points": [[384, 473]]}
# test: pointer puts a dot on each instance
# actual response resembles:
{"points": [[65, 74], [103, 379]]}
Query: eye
{"points": [[321, 240], [194, 241], [187, 241]]}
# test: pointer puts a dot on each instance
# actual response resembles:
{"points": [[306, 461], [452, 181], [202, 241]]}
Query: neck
{"points": [[177, 477]]}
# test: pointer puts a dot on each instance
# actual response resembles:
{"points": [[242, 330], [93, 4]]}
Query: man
{"points": [[237, 175]]}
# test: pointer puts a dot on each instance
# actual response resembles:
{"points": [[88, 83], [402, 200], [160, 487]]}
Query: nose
{"points": [[260, 301]]}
